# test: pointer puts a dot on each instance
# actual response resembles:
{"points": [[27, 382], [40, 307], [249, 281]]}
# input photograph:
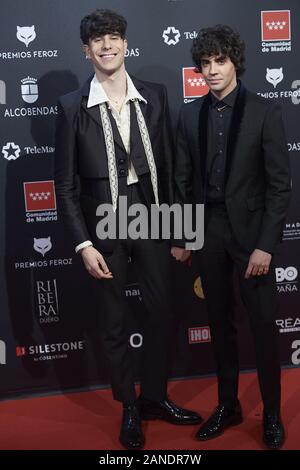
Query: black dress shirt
{"points": [[219, 117]]}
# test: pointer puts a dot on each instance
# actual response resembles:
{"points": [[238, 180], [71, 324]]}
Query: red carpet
{"points": [[90, 420]]}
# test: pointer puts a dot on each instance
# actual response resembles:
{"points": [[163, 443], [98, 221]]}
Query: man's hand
{"points": [[180, 254], [259, 263], [95, 264]]}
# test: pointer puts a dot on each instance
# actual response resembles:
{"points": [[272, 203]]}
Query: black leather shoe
{"points": [[131, 435], [273, 435], [167, 411], [222, 418]]}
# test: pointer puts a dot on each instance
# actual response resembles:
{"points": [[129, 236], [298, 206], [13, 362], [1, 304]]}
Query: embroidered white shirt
{"points": [[98, 96]]}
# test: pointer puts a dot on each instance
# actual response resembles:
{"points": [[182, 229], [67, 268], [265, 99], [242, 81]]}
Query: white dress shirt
{"points": [[98, 96]]}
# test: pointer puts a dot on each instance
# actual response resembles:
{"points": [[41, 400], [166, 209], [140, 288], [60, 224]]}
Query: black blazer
{"points": [[81, 169], [257, 176]]}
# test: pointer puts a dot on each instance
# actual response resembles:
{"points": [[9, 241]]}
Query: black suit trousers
{"points": [[218, 259], [151, 260]]}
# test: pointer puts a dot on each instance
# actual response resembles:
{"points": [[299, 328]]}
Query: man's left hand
{"points": [[259, 263]]}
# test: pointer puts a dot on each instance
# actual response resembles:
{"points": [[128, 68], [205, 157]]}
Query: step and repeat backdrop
{"points": [[49, 329]]}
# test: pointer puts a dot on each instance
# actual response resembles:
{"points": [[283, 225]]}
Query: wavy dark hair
{"points": [[101, 22], [216, 40]]}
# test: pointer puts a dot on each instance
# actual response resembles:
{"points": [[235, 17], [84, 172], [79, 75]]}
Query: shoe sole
{"points": [[275, 447], [141, 446], [235, 422]]}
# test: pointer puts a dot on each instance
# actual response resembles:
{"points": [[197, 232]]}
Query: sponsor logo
{"points": [[296, 96], [194, 85], [276, 31], [288, 325], [26, 35], [293, 146], [133, 291], [134, 52], [275, 25], [171, 36], [47, 301], [275, 76], [286, 279], [11, 151], [29, 90], [198, 288], [291, 231], [50, 352], [40, 201], [199, 334], [43, 246], [296, 354], [34, 111], [136, 340], [2, 92], [2, 353], [39, 195]]}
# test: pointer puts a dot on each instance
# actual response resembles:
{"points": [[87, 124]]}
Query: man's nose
{"points": [[106, 43], [212, 68]]}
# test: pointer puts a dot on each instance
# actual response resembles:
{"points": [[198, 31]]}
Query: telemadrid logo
{"points": [[11, 151], [171, 36]]}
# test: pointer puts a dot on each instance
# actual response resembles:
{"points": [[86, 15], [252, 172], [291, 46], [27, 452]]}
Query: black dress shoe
{"points": [[222, 418], [131, 435], [273, 435], [167, 411]]}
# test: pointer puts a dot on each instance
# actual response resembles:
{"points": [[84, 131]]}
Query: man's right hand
{"points": [[95, 263], [180, 254]]}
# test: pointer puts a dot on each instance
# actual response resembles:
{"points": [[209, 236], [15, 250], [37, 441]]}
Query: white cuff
{"points": [[83, 245]]}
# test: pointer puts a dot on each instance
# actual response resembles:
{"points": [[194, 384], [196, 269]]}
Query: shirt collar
{"points": [[98, 96], [229, 99]]}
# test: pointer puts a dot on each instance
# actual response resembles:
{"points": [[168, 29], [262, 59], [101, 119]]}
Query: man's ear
{"points": [[126, 43], [86, 51]]}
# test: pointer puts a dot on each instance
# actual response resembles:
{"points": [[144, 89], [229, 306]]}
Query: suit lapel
{"points": [[145, 108], [117, 136], [135, 136], [94, 113], [236, 119]]}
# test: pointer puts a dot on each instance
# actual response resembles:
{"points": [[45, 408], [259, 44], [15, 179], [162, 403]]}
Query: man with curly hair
{"points": [[232, 156]]}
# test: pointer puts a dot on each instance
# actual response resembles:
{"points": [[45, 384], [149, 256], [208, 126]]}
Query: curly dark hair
{"points": [[101, 22], [216, 40]]}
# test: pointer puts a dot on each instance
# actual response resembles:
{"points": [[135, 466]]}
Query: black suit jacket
{"points": [[81, 169], [257, 175]]}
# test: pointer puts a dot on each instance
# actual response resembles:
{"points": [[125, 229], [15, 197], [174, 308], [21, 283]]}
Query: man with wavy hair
{"points": [[113, 136], [232, 156]]}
